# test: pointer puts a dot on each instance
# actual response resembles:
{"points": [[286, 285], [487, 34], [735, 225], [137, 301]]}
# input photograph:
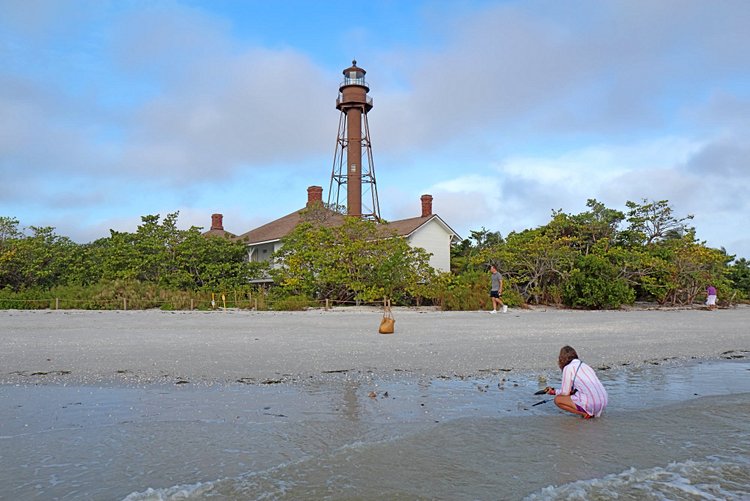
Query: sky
{"points": [[503, 111]]}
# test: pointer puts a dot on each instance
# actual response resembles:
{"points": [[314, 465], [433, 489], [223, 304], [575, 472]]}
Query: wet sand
{"points": [[99, 404], [146, 347]]}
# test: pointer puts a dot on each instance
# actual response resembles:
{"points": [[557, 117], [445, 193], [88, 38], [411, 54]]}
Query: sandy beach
{"points": [[142, 347], [153, 405]]}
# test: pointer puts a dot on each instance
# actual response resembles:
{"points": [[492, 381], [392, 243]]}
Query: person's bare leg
{"points": [[565, 403]]}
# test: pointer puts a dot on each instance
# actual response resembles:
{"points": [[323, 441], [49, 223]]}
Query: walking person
{"points": [[581, 392], [496, 290]]}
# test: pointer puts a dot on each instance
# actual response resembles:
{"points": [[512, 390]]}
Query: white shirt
{"points": [[591, 395]]}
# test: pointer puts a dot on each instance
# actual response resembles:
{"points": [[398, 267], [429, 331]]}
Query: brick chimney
{"points": [[314, 195], [217, 222], [426, 205]]}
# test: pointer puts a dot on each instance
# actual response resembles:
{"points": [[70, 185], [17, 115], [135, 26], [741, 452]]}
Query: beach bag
{"points": [[387, 323]]}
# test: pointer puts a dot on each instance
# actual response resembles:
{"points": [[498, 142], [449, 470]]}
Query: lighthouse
{"points": [[352, 161]]}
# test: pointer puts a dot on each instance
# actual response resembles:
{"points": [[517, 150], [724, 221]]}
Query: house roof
{"points": [[213, 232], [278, 229], [406, 227]]}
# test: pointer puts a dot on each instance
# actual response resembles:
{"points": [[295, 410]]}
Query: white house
{"points": [[427, 231]]}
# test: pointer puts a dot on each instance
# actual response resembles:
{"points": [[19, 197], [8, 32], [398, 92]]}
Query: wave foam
{"points": [[712, 479]]}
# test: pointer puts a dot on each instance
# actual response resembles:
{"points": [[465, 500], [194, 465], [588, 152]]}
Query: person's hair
{"points": [[567, 355]]}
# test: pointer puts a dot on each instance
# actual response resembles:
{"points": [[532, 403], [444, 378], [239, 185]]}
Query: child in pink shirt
{"points": [[581, 391]]}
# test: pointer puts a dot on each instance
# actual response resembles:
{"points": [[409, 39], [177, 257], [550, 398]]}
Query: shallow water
{"points": [[672, 431]]}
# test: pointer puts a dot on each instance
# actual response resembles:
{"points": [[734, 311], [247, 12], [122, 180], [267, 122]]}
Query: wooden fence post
{"points": [[125, 303]]}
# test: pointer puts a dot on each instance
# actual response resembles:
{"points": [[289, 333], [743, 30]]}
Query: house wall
{"points": [[433, 238], [262, 253]]}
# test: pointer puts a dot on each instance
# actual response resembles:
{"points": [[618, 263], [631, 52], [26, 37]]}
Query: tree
{"points": [[160, 253], [589, 228], [463, 254], [8, 231], [536, 262], [41, 260], [650, 222], [485, 238], [156, 247], [739, 275], [212, 262], [355, 260], [595, 282], [682, 268]]}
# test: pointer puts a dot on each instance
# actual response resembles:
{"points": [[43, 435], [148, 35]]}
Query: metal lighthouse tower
{"points": [[352, 161]]}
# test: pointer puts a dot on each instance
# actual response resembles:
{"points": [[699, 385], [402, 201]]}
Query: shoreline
{"points": [[136, 348], [296, 441], [286, 405]]}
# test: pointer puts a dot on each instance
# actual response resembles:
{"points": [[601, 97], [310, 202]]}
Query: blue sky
{"points": [[502, 110]]}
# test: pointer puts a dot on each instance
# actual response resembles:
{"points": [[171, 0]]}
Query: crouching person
{"points": [[581, 391]]}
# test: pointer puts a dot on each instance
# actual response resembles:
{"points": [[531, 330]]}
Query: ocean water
{"points": [[672, 431]]}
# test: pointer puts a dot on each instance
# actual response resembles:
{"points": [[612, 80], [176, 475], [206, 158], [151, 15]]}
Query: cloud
{"points": [[467, 199], [503, 111], [723, 110], [41, 20], [525, 189], [551, 69], [705, 179], [46, 135], [722, 159], [258, 108], [204, 107], [162, 41], [220, 108]]}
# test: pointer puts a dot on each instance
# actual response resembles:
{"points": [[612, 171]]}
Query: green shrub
{"points": [[466, 291], [594, 284], [470, 291], [32, 299], [293, 303], [512, 297]]}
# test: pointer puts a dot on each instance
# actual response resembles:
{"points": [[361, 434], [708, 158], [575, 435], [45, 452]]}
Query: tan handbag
{"points": [[387, 323]]}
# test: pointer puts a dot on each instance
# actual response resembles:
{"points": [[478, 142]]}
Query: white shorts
{"points": [[711, 300]]}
